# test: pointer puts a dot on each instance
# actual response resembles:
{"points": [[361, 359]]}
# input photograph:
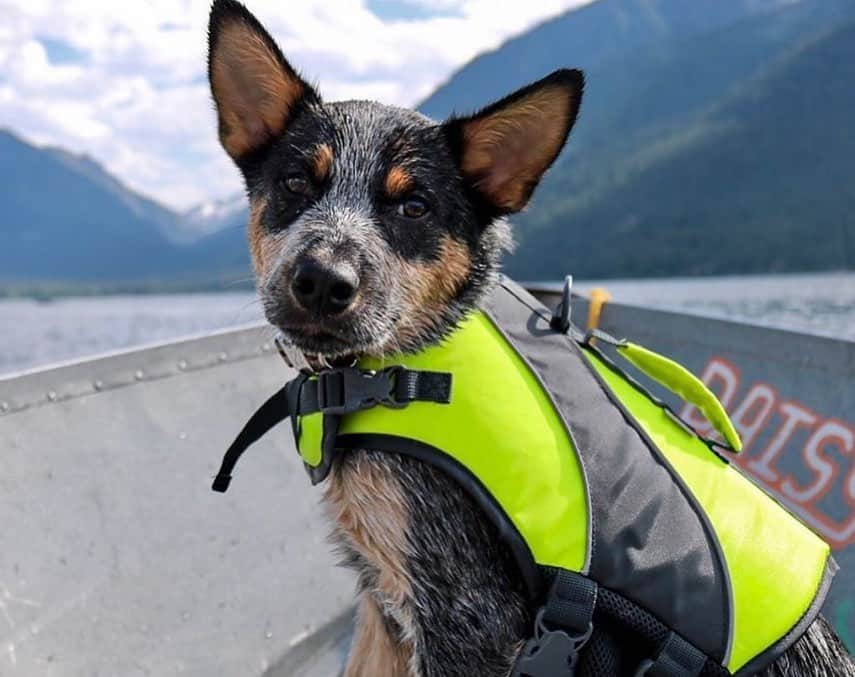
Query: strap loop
{"points": [[677, 658], [561, 316], [570, 603]]}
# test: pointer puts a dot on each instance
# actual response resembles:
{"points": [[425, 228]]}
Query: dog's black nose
{"points": [[324, 290]]}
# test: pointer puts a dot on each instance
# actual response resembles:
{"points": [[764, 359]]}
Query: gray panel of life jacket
{"points": [[649, 540]]}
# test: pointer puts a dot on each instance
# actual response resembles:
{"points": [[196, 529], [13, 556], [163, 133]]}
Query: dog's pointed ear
{"points": [[255, 89], [504, 149]]}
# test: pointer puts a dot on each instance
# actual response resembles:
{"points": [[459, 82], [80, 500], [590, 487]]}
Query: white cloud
{"points": [[138, 101]]}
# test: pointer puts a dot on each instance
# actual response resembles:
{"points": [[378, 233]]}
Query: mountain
{"points": [[683, 161], [213, 216], [581, 38], [67, 221], [761, 180], [714, 138], [65, 218]]}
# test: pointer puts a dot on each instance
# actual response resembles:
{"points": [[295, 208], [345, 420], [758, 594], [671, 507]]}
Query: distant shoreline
{"points": [[46, 291], [49, 290]]}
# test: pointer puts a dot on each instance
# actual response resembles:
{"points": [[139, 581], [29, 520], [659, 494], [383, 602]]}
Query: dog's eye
{"points": [[413, 207], [297, 184]]}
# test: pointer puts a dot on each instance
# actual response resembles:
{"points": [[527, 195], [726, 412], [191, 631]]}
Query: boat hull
{"points": [[117, 558]]}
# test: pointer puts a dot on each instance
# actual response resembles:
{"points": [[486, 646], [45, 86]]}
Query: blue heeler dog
{"points": [[374, 230]]}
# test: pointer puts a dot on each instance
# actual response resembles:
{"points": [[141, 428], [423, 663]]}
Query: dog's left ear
{"points": [[504, 149], [255, 89]]}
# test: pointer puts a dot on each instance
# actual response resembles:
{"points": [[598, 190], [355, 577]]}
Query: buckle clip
{"points": [[644, 668], [343, 391], [550, 652]]}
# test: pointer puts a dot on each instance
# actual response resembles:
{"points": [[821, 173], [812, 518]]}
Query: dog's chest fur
{"points": [[429, 563]]}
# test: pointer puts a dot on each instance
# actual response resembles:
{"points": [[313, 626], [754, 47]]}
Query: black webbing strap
{"points": [[562, 628], [570, 603], [269, 414], [422, 386], [334, 392], [677, 658]]}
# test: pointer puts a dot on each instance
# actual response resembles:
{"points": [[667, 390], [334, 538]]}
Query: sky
{"points": [[125, 82]]}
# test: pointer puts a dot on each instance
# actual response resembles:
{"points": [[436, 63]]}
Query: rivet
{"points": [[139, 375], [223, 357], [265, 347], [51, 396], [182, 364], [98, 385], [4, 406]]}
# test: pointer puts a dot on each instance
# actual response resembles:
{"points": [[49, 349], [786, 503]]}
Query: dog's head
{"points": [[373, 229]]}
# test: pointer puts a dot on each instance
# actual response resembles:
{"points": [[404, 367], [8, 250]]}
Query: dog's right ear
{"points": [[255, 89]]}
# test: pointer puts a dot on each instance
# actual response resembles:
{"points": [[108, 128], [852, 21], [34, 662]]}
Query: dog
{"points": [[374, 230]]}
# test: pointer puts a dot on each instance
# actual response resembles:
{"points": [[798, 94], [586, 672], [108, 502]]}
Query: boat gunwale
{"points": [[49, 384]]}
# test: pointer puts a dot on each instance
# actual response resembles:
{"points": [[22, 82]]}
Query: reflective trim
{"points": [[795, 633]]}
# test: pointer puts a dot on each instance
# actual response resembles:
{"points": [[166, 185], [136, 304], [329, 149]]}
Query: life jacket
{"points": [[642, 548]]}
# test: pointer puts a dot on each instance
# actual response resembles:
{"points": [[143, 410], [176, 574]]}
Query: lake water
{"points": [[34, 333]]}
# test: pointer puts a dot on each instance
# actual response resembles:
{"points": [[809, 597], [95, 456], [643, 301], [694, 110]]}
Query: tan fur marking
{"points": [[259, 241], [398, 182], [373, 651], [367, 506], [509, 150], [254, 93], [369, 511], [431, 285], [322, 160]]}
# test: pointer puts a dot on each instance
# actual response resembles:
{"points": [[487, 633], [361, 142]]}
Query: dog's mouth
{"points": [[320, 348], [318, 343]]}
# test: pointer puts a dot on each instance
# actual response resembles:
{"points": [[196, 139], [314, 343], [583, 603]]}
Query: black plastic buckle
{"points": [[550, 653], [644, 668], [342, 391]]}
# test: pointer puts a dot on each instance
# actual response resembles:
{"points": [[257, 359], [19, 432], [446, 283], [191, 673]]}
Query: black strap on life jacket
{"points": [[334, 393], [579, 617], [562, 627], [676, 658]]}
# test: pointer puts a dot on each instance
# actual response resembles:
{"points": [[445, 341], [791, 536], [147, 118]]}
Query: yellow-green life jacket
{"points": [[583, 471]]}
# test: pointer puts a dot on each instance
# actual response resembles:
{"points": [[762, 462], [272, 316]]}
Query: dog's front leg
{"points": [[376, 650], [372, 520]]}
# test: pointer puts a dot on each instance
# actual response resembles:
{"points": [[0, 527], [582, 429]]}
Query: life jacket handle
{"points": [[676, 378], [683, 383]]}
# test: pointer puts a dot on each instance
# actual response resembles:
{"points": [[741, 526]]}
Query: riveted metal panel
{"points": [[116, 558]]}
